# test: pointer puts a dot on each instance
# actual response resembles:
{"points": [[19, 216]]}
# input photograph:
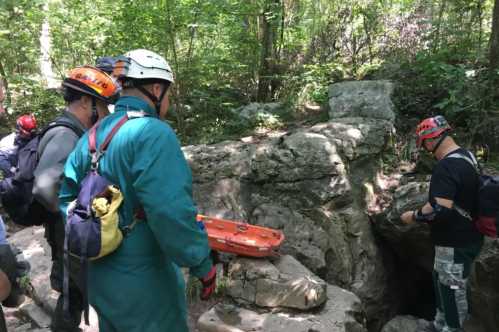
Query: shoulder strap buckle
{"points": [[136, 114]]}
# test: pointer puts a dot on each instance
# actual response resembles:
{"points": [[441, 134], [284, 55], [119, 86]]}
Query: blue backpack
{"points": [[17, 196]]}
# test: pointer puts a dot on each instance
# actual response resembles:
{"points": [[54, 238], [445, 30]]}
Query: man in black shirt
{"points": [[451, 202]]}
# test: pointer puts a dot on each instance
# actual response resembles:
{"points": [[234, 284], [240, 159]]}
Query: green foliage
{"points": [[30, 96], [217, 51], [431, 85]]}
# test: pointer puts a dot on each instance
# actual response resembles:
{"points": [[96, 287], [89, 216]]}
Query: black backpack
{"points": [[486, 217], [18, 200]]}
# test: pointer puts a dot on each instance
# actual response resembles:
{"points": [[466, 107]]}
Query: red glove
{"points": [[209, 282]]}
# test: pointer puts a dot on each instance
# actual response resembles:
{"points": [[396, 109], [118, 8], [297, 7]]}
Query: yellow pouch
{"points": [[106, 208]]}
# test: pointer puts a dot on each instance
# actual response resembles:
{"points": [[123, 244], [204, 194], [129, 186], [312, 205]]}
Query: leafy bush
{"points": [[430, 85], [30, 96]]}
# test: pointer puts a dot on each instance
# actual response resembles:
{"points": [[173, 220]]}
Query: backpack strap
{"points": [[470, 159], [95, 153], [60, 122]]}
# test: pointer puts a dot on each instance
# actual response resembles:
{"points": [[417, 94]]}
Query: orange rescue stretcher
{"points": [[241, 238]]}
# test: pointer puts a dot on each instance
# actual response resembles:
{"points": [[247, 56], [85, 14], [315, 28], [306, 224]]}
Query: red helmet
{"points": [[26, 125], [431, 128]]}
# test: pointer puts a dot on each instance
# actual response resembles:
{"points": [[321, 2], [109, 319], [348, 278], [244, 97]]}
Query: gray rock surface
{"points": [[310, 184], [37, 252], [341, 313], [259, 111], [484, 285], [406, 324], [370, 99], [286, 283], [411, 242], [35, 313]]}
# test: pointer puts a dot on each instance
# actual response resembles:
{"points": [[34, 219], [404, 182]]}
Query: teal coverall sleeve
{"points": [[162, 182]]}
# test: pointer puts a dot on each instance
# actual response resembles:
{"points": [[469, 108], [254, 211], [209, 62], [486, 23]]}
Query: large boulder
{"points": [[407, 324], [341, 313], [286, 283], [282, 295], [484, 285], [260, 111], [370, 99], [310, 184]]}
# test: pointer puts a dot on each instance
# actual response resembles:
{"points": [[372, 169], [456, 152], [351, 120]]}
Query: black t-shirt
{"points": [[457, 180]]}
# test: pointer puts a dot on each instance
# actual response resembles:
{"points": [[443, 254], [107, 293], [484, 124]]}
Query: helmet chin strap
{"points": [[95, 115], [156, 101], [442, 137]]}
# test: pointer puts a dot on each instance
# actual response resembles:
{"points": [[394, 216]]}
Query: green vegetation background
{"points": [[228, 53]]}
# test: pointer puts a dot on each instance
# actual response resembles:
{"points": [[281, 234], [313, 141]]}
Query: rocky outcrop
{"points": [[409, 251], [409, 242], [413, 252], [484, 285], [38, 309], [310, 183], [260, 111], [369, 99], [293, 308], [286, 283], [407, 324]]}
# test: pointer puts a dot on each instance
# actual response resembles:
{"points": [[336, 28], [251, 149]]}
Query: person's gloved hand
{"points": [[209, 282]]}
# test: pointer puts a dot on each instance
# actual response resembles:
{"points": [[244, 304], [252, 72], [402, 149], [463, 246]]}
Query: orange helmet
{"points": [[431, 128], [93, 82], [26, 125]]}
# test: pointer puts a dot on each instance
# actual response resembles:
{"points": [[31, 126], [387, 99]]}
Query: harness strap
{"points": [[65, 289], [109, 136], [471, 160], [92, 140], [476, 165]]}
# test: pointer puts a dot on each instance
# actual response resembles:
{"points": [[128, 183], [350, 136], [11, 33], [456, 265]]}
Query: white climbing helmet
{"points": [[142, 64]]}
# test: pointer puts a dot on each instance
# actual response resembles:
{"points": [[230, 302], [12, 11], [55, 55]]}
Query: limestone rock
{"points": [[484, 285], [411, 242], [406, 324], [341, 313], [370, 99], [307, 183], [285, 284], [259, 111], [36, 251], [36, 314], [32, 243]]}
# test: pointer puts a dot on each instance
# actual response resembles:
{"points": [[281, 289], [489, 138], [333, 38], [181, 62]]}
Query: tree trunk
{"points": [[177, 88], [268, 52], [494, 38], [48, 76], [436, 39]]}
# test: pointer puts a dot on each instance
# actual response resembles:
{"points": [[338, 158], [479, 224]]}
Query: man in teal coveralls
{"points": [[139, 287]]}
